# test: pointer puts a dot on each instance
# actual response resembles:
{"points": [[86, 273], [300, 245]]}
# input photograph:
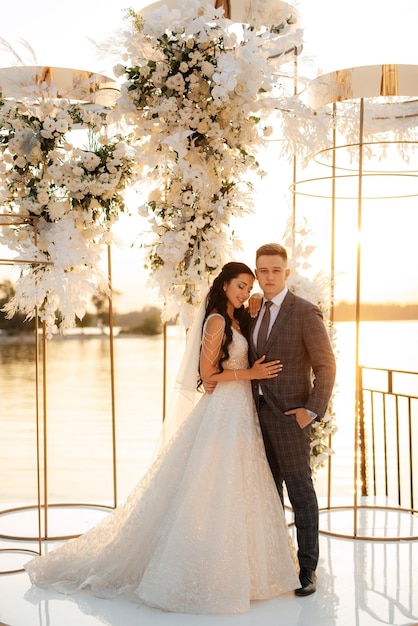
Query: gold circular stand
{"points": [[42, 536], [42, 507], [16, 551], [45, 536], [355, 134], [372, 508]]}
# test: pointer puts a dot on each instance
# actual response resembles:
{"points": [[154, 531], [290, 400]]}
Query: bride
{"points": [[204, 531]]}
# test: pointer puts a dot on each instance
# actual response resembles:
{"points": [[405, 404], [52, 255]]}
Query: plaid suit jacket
{"points": [[299, 339]]}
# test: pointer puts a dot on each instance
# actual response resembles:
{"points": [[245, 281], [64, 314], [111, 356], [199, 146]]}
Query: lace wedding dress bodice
{"points": [[203, 532], [238, 353]]}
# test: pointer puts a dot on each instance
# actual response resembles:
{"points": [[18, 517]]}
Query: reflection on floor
{"points": [[361, 582]]}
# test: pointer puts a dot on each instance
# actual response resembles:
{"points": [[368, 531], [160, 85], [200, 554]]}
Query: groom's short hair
{"points": [[271, 249]]}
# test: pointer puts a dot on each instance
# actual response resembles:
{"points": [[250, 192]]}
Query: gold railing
{"points": [[385, 472], [389, 415]]}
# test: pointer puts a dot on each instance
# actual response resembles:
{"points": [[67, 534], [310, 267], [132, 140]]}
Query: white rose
{"points": [[191, 228], [61, 126], [240, 89], [203, 127], [49, 125], [188, 197], [43, 197], [175, 82], [200, 221], [20, 162], [144, 71], [91, 161], [57, 209], [207, 69], [119, 70], [183, 237]]}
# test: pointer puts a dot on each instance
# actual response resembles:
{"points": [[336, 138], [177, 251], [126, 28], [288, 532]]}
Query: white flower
{"points": [[175, 82], [58, 208], [207, 69], [191, 228], [43, 197], [119, 70], [61, 125], [203, 126], [20, 162], [197, 133], [188, 197], [90, 161], [68, 237], [200, 221], [171, 249], [78, 171], [49, 125], [240, 88], [177, 141], [219, 93]]}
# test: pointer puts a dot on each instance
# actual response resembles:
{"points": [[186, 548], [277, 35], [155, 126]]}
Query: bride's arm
{"points": [[210, 354]]}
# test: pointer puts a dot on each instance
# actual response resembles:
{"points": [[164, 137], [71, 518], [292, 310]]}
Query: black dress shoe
{"points": [[307, 579]]}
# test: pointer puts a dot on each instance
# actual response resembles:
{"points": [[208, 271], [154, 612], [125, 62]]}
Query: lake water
{"points": [[79, 431]]}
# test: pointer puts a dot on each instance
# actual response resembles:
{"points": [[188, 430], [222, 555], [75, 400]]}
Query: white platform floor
{"points": [[361, 582]]}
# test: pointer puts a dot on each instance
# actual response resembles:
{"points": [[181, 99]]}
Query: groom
{"points": [[292, 330]]}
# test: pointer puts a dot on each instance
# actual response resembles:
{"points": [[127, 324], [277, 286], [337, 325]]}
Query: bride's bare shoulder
{"points": [[214, 322]]}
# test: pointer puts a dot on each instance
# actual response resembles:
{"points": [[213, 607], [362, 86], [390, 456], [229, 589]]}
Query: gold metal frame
{"points": [[360, 84], [99, 92], [42, 506]]}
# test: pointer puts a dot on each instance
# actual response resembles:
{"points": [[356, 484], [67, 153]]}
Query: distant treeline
{"points": [[344, 312], [370, 312]]}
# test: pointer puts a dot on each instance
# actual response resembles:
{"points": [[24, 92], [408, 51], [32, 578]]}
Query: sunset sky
{"points": [[338, 34]]}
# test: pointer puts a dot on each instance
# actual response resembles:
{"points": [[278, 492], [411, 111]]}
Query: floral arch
{"points": [[197, 95]]}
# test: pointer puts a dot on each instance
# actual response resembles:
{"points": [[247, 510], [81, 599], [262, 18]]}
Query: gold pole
{"points": [[389, 80], [112, 376], [38, 435], [40, 534], [358, 302], [295, 91], [164, 370], [44, 402], [332, 269]]}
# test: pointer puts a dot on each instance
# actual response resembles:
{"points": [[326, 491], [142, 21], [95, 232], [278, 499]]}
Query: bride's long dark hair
{"points": [[216, 300]]}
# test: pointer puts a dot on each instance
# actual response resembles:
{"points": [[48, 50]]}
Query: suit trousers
{"points": [[288, 453]]}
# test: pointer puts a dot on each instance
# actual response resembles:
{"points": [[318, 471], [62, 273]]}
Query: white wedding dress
{"points": [[203, 532]]}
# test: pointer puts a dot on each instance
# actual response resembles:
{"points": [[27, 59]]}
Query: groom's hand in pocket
{"points": [[302, 417]]}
